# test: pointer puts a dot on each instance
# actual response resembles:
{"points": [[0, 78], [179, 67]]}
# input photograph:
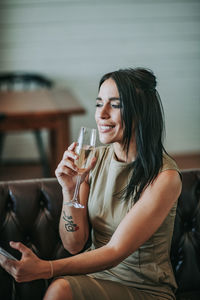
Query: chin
{"points": [[105, 140]]}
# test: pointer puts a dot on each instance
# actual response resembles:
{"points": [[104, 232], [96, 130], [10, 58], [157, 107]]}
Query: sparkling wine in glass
{"points": [[86, 144]]}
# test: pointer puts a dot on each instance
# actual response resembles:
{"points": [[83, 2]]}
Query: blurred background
{"points": [[75, 42]]}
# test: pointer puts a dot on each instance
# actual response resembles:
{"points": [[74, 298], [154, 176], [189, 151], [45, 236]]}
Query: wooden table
{"points": [[42, 109]]}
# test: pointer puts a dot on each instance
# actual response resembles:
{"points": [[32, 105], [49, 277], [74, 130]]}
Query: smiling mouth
{"points": [[105, 128]]}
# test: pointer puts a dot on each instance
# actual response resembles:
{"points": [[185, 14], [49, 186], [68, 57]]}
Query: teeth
{"points": [[106, 127]]}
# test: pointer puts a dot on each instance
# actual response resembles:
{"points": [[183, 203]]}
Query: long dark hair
{"points": [[141, 109]]}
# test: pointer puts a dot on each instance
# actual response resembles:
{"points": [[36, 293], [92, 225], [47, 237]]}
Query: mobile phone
{"points": [[7, 254]]}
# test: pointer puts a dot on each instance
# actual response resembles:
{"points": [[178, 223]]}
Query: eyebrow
{"points": [[110, 99]]}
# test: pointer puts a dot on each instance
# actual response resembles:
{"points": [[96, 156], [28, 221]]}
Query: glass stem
{"points": [[78, 182]]}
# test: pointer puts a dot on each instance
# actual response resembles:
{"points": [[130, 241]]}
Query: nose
{"points": [[104, 112]]}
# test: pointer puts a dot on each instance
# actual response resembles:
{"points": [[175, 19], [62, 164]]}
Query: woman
{"points": [[129, 191]]}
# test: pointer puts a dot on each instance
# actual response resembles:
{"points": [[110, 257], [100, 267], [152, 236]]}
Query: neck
{"points": [[122, 155]]}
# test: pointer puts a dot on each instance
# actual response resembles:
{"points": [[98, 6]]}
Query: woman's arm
{"points": [[135, 229], [73, 227], [138, 226]]}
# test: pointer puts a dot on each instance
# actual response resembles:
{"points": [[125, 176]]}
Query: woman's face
{"points": [[108, 116]]}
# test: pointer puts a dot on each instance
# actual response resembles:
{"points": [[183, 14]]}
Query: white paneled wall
{"points": [[75, 42]]}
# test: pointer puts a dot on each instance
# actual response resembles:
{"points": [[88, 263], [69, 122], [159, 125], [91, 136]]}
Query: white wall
{"points": [[75, 42]]}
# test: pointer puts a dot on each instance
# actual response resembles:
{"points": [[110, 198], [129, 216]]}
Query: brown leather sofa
{"points": [[30, 210]]}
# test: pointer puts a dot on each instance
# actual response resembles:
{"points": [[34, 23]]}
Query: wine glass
{"points": [[86, 144]]}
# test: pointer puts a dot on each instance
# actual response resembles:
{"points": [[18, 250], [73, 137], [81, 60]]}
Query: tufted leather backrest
{"points": [[185, 250], [30, 212]]}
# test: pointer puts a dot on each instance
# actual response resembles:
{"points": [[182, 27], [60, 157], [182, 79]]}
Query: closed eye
{"points": [[116, 105], [112, 104], [98, 104]]}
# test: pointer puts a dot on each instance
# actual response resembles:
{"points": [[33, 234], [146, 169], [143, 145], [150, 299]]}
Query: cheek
{"points": [[95, 116], [118, 119], [120, 126]]}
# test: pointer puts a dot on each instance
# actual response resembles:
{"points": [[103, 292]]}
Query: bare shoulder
{"points": [[168, 183], [169, 178]]}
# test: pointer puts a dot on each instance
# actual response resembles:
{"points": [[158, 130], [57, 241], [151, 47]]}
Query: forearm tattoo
{"points": [[70, 226]]}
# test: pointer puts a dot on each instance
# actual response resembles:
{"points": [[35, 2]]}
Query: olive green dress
{"points": [[147, 273]]}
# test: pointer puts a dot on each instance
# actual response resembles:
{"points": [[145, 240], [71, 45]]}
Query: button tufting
{"points": [[9, 205], [42, 204], [187, 226], [190, 225]]}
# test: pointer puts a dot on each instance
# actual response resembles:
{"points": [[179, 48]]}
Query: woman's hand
{"points": [[28, 268], [67, 171]]}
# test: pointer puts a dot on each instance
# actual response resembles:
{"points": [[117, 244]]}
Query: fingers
{"points": [[70, 152], [67, 165], [24, 269], [73, 146], [20, 247], [3, 260], [8, 264]]}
